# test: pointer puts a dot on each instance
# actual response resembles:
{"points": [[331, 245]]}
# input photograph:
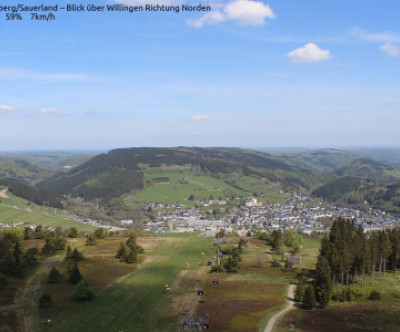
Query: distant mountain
{"points": [[22, 171], [122, 170], [370, 169], [322, 161]]}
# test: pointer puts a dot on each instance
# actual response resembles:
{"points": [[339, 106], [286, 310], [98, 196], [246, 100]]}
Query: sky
{"points": [[247, 73]]}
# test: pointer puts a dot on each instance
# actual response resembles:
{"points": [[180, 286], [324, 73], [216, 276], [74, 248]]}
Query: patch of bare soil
{"points": [[8, 296], [9, 319]]}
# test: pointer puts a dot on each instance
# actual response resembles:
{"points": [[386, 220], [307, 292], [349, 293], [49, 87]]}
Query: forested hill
{"points": [[370, 169], [41, 197], [22, 171], [121, 170]]}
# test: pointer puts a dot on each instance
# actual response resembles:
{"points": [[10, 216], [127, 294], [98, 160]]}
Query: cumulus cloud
{"points": [[309, 53], [242, 12], [6, 108], [51, 111], [201, 117], [390, 49]]}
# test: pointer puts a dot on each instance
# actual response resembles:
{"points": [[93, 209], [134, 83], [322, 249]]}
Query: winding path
{"points": [[288, 307]]}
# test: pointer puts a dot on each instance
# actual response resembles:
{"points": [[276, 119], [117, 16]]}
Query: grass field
{"points": [[180, 186], [133, 297], [15, 209], [138, 301], [245, 300]]}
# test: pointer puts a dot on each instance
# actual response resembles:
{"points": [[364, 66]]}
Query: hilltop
{"points": [[122, 171]]}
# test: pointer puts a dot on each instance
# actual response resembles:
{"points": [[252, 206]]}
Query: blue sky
{"points": [[248, 73]]}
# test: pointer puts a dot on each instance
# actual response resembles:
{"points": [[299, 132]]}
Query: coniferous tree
{"points": [[77, 255], [323, 282], [54, 276], [395, 241], [81, 292], [298, 294], [309, 297], [74, 274]]}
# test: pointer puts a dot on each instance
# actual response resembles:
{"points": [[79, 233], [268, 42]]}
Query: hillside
{"points": [[322, 161], [336, 189], [356, 192], [38, 196], [22, 171], [370, 169], [17, 210], [122, 170]]}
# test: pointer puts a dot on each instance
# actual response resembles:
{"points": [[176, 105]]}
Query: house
{"points": [[127, 222]]}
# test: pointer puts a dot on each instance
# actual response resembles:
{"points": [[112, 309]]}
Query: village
{"points": [[300, 213]]}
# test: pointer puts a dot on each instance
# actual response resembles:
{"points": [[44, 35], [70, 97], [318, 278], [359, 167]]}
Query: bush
{"points": [[275, 263], [5, 328], [91, 241], [374, 296], [3, 281], [45, 301], [347, 294]]}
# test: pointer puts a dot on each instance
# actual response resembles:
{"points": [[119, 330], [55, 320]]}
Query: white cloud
{"points": [[51, 111], [17, 73], [201, 117], [6, 108], [376, 37], [309, 53], [242, 12], [390, 49]]}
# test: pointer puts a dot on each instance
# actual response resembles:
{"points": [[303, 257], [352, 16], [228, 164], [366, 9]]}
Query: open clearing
{"points": [[181, 184]]}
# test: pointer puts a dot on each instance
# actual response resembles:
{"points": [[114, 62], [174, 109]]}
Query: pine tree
{"points": [[74, 274], [54, 276], [81, 292], [299, 293], [309, 298], [395, 241], [323, 282], [77, 255]]}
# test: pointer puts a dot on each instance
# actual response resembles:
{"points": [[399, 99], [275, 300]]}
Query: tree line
{"points": [[347, 255]]}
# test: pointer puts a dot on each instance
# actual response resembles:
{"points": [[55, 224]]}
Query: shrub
{"points": [[91, 241], [45, 301], [374, 295], [275, 263]]}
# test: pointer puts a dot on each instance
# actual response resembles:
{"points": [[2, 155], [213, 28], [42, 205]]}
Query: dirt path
{"points": [[30, 298], [289, 306], [3, 194]]}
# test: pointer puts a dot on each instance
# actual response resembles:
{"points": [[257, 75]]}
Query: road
{"points": [[288, 307]]}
